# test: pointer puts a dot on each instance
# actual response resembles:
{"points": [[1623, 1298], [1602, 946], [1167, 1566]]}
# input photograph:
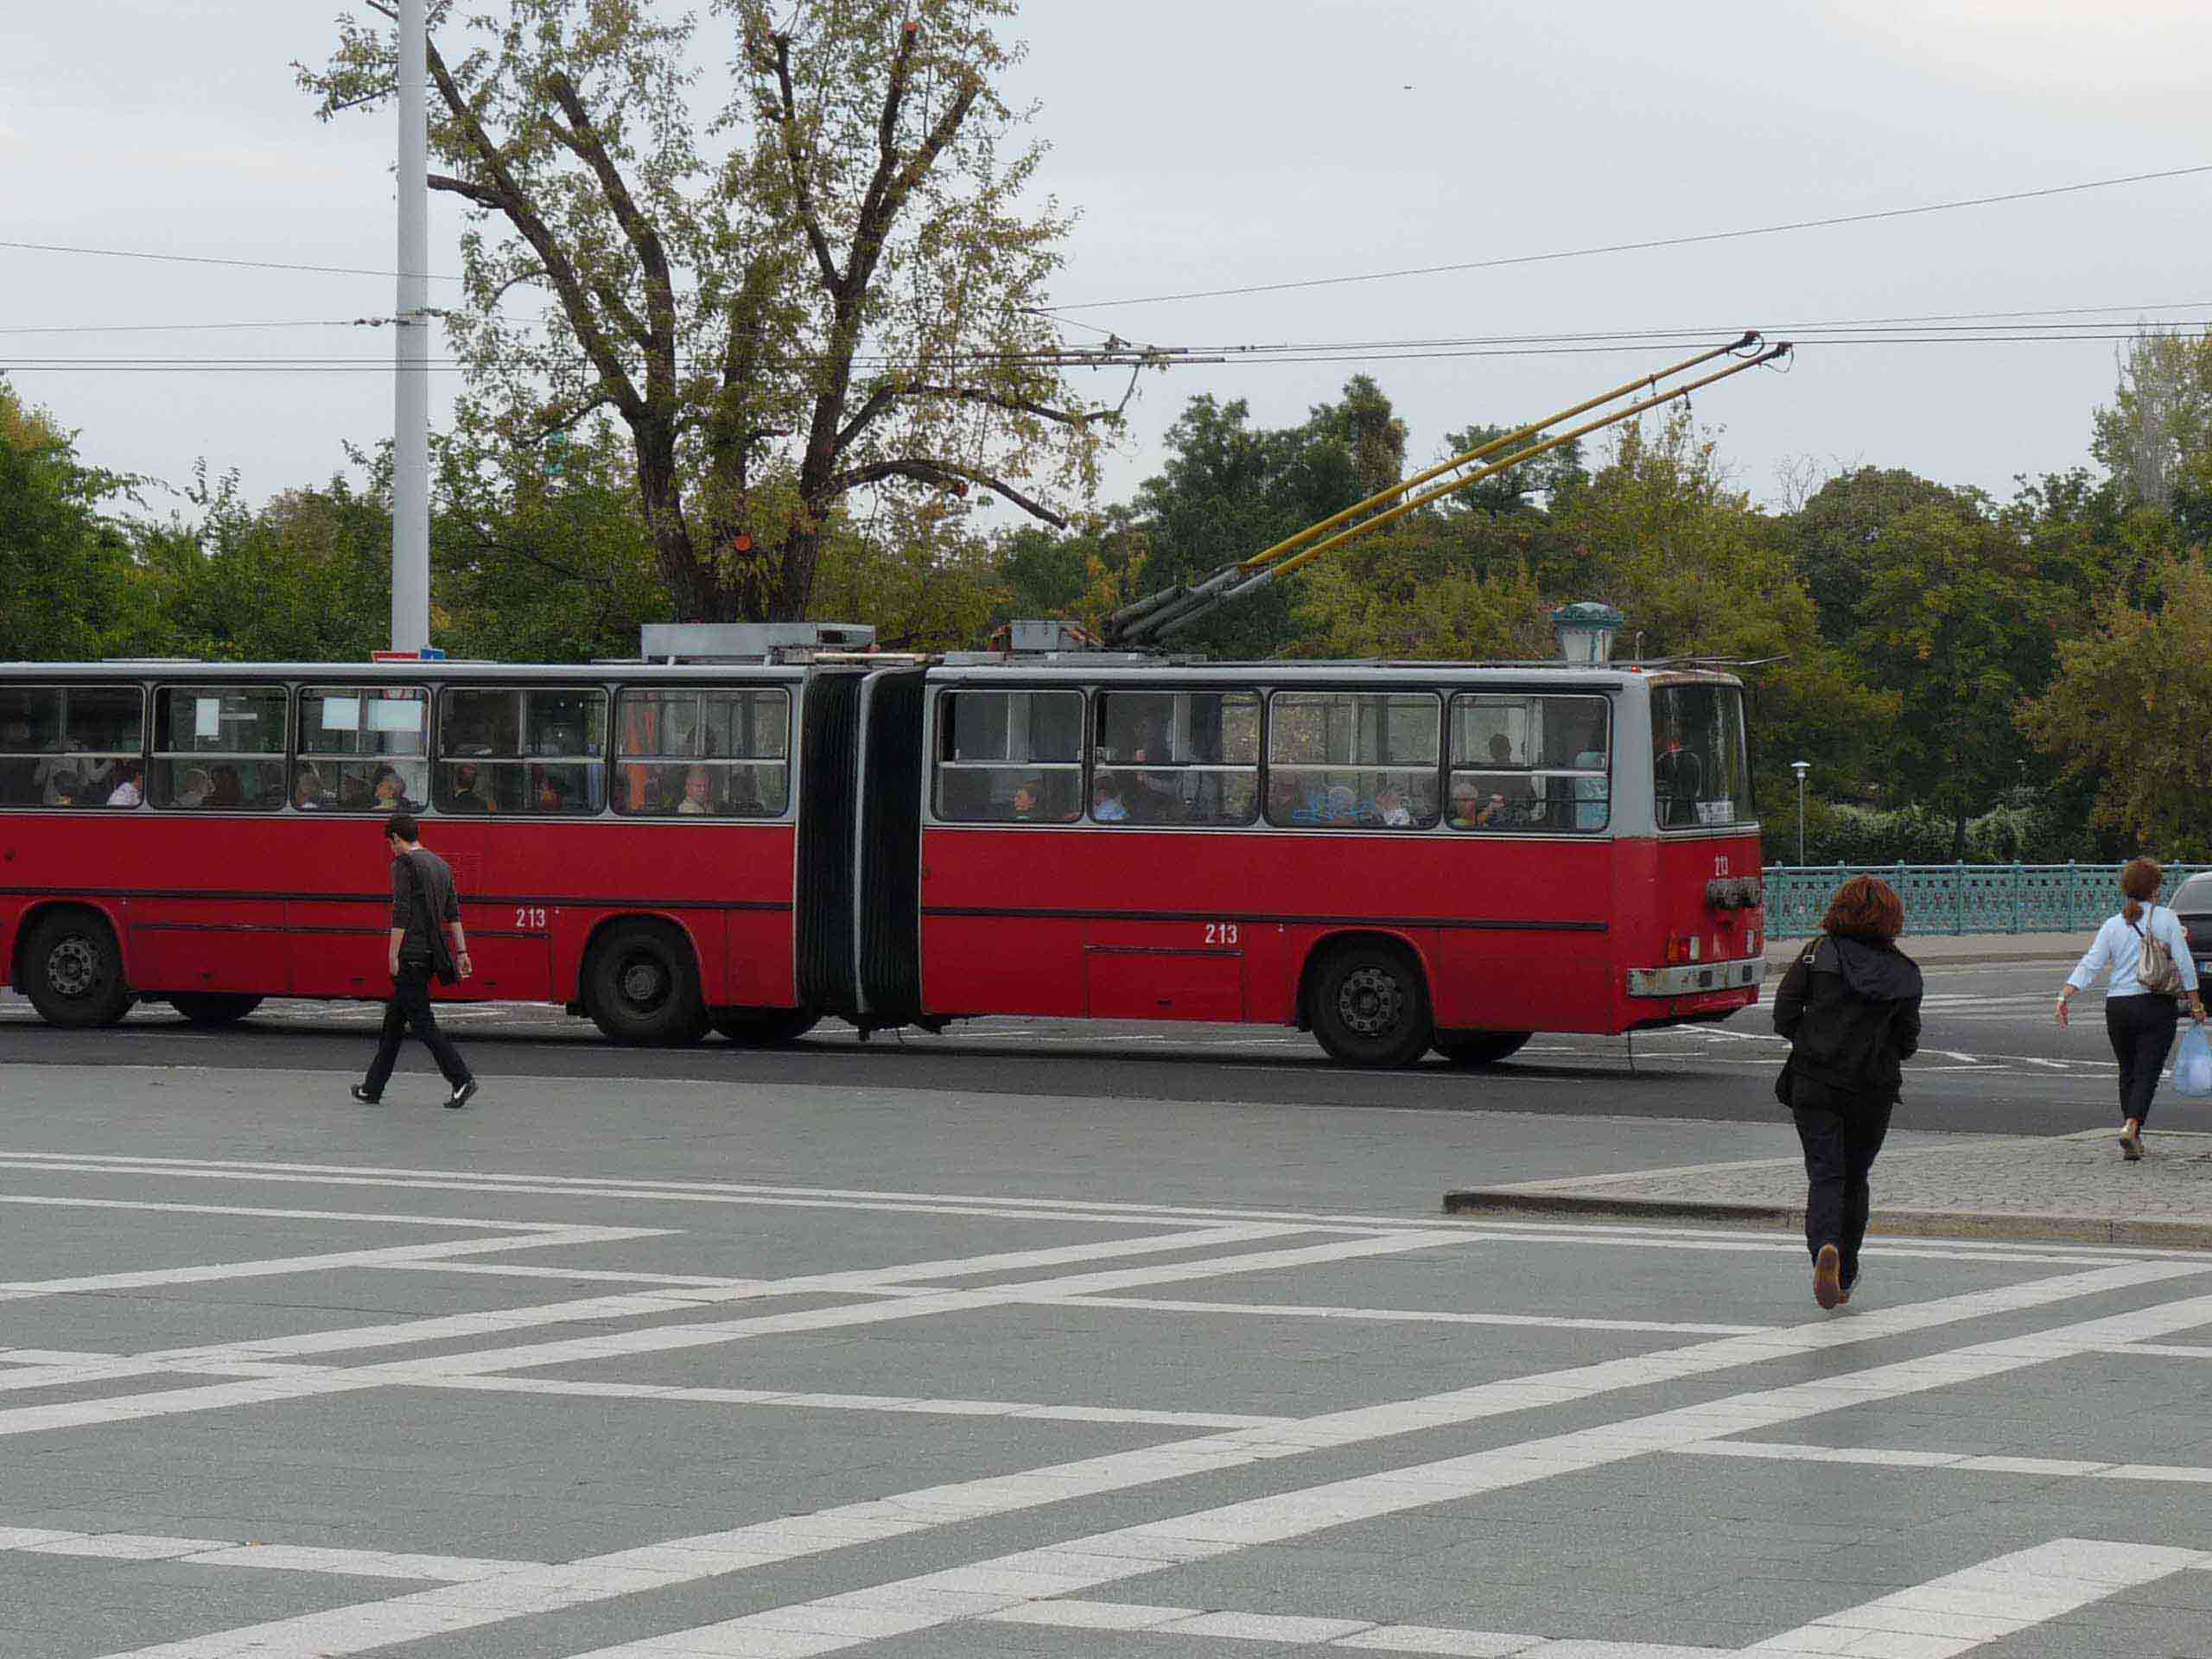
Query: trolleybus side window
{"points": [[72, 745], [699, 753], [1701, 775], [363, 748], [220, 748], [539, 750], [1525, 762], [1175, 757], [1009, 757], [1353, 759]]}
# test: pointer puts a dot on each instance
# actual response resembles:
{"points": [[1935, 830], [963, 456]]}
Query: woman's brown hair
{"points": [[1865, 907], [2140, 880]]}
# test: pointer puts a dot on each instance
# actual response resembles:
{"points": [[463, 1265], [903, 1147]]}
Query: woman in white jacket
{"points": [[2139, 1019]]}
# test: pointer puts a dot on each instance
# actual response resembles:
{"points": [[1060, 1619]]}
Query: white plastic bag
{"points": [[2193, 1065]]}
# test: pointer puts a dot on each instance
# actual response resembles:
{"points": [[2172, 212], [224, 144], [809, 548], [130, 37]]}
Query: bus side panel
{"points": [[341, 945], [1130, 972], [990, 964], [1538, 936]]}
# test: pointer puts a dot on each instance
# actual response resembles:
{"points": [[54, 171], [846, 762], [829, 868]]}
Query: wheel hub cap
{"points": [[73, 968], [643, 984], [1370, 1003]]}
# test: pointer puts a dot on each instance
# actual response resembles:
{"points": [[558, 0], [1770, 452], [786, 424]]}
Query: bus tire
{"points": [[213, 1007], [1370, 1007], [641, 987], [73, 970], [765, 1027], [1474, 1048]]}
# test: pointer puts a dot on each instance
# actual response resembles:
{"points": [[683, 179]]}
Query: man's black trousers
{"points": [[410, 1008], [2142, 1032], [1842, 1133]]}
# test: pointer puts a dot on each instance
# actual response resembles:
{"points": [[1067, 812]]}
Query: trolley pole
{"points": [[410, 476]]}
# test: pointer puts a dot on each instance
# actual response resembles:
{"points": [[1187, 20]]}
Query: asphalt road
{"points": [[1991, 1060], [751, 1369]]}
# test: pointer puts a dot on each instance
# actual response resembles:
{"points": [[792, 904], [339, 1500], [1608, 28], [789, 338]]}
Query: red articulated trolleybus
{"points": [[753, 828]]}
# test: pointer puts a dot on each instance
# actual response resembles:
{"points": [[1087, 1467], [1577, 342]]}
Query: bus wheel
{"points": [[765, 1027], [213, 1008], [73, 971], [1371, 1008], [1480, 1047], [642, 986]]}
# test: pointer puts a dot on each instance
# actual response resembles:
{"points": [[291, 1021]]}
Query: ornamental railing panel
{"points": [[1956, 899]]}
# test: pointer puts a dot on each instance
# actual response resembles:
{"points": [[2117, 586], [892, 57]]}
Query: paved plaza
{"points": [[674, 1370]]}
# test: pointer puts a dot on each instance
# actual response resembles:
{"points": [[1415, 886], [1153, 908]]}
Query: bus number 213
{"points": [[528, 916], [1221, 932]]}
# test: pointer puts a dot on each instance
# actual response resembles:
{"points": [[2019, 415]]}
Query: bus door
{"points": [[860, 844], [1529, 784]]}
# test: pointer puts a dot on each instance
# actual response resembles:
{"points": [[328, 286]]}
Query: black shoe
{"points": [[359, 1091], [461, 1096]]}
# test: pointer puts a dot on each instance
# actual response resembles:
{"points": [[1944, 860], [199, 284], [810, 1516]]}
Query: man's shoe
{"points": [[2131, 1146], [359, 1092], [1827, 1276], [461, 1096]]}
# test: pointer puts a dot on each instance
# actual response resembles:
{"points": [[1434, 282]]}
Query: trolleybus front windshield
{"points": [[1700, 772]]}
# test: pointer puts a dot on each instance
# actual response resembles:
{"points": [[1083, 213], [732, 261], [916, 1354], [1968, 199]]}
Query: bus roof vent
{"points": [[1027, 634], [750, 642]]}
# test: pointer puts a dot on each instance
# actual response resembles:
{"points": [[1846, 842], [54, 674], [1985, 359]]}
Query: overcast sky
{"points": [[1217, 143]]}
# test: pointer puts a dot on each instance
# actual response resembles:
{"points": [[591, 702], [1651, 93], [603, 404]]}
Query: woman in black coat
{"points": [[1850, 1006]]}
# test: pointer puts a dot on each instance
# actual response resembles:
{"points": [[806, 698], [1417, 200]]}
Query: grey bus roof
{"points": [[1073, 667]]}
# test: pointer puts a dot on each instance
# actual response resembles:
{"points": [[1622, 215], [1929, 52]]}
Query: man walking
{"points": [[421, 898]]}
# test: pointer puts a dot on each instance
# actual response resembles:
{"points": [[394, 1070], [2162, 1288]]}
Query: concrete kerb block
{"points": [[2143, 1232]]}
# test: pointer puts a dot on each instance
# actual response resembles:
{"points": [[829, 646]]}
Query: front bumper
{"points": [[1695, 978]]}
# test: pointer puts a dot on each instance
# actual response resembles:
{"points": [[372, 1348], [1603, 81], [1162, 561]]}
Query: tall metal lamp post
{"points": [[1801, 767]]}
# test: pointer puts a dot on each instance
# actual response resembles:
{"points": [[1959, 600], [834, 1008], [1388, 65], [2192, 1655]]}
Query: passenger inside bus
{"points": [[130, 788], [464, 791], [193, 788], [390, 793], [698, 800], [1106, 801], [307, 791]]}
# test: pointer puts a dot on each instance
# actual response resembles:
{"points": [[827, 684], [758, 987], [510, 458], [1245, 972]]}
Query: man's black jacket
{"points": [[1850, 1009]]}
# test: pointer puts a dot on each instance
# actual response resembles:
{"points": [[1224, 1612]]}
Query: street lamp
{"points": [[1801, 767]]}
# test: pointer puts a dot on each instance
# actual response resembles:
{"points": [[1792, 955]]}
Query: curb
{"points": [[1778, 965], [1896, 1223]]}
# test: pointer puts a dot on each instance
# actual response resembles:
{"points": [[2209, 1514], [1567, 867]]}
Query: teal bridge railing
{"points": [[1962, 898]]}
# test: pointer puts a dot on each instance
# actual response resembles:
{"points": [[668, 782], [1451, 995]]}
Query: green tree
{"points": [[307, 577], [1700, 573], [533, 566], [66, 569], [830, 292], [2128, 708], [1554, 475], [1229, 490], [1960, 623], [2155, 437], [1835, 539]]}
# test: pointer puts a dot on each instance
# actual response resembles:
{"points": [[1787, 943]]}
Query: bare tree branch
{"points": [[810, 217], [943, 471], [584, 140], [883, 398], [505, 195]]}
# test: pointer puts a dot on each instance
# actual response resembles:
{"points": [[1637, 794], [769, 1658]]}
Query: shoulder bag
{"points": [[2154, 962], [441, 962], [1785, 1080]]}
